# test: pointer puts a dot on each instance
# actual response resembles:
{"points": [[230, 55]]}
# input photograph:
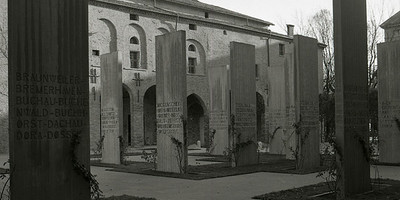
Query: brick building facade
{"points": [[130, 26]]}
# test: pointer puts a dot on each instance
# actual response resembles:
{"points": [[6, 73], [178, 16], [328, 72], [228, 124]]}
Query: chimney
{"points": [[290, 28]]}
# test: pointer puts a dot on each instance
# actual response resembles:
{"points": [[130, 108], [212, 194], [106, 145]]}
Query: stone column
{"points": [[48, 96], [137, 122], [307, 102], [243, 102], [389, 101], [111, 106], [218, 79], [350, 35], [171, 102]]}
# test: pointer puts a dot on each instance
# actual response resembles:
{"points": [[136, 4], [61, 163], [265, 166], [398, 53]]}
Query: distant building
{"points": [[130, 26]]}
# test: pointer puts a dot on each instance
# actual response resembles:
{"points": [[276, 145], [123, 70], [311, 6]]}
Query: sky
{"points": [[281, 12]]}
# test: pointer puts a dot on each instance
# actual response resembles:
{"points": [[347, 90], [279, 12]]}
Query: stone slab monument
{"points": [[48, 99], [111, 106], [307, 102], [171, 102], [218, 77], [243, 103], [276, 109], [389, 101], [350, 35]]}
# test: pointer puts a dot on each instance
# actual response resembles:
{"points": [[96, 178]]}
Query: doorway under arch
{"points": [[196, 120], [149, 116], [127, 126], [260, 117]]}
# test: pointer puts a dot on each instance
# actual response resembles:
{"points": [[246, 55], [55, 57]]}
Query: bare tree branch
{"points": [[3, 49], [375, 36], [320, 26], [3, 32]]}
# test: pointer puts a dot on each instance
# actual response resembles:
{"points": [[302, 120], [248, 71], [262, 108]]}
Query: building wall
{"points": [[111, 26], [110, 29], [392, 33]]}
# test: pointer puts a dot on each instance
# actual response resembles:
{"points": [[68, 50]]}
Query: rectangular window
{"points": [[257, 71], [95, 52], [206, 15], [134, 58], [269, 64], [133, 17], [93, 76], [281, 49], [192, 62], [192, 27]]}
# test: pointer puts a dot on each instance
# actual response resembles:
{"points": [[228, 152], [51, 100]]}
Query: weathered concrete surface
{"points": [[351, 96], [48, 99], [111, 106], [218, 77], [307, 102], [389, 101], [243, 103], [171, 102]]}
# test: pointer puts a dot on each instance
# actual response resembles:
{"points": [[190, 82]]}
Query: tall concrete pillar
{"points": [[111, 106], [350, 36], [48, 99]]}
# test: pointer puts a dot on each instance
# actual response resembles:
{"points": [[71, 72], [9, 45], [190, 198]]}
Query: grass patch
{"points": [[386, 189]]}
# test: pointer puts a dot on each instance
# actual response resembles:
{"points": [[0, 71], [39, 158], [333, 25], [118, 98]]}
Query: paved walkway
{"points": [[234, 187], [241, 187]]}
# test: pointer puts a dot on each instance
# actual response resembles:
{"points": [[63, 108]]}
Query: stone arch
{"points": [[199, 54], [113, 34], [197, 125], [260, 110], [149, 116], [134, 40], [192, 48], [162, 30], [141, 47], [127, 115]]}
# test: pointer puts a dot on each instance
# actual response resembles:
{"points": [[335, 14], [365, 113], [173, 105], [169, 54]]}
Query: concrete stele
{"points": [[351, 96], [307, 101], [243, 101], [218, 77], [276, 109], [111, 106], [389, 101], [171, 101], [48, 99]]}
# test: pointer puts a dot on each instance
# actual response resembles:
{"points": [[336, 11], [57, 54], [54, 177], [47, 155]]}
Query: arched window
{"points": [[192, 48], [134, 40]]}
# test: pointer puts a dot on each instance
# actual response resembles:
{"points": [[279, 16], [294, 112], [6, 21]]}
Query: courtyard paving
{"points": [[241, 187]]}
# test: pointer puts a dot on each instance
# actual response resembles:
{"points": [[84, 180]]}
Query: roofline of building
{"points": [[260, 32], [384, 26], [389, 22], [227, 12]]}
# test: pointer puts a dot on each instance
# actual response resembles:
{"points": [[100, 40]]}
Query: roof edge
{"points": [[229, 12]]}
